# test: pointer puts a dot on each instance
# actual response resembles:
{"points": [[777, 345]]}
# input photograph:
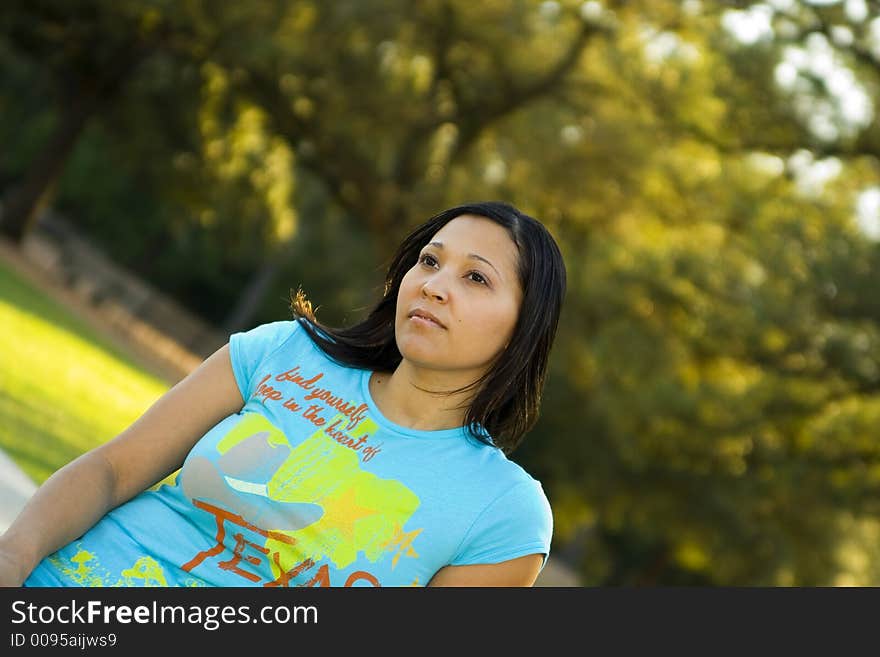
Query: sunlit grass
{"points": [[63, 389]]}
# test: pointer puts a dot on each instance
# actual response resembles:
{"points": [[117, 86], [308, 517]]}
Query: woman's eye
{"points": [[475, 276]]}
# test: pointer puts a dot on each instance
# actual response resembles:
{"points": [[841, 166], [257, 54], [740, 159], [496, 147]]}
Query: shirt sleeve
{"points": [[248, 349], [517, 523]]}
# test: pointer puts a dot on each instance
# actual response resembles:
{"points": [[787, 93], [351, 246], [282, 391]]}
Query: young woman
{"points": [[374, 455]]}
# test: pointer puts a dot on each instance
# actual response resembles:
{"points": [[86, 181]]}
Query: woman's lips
{"points": [[423, 321]]}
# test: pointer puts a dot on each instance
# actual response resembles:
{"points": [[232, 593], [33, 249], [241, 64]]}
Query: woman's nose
{"points": [[434, 288]]}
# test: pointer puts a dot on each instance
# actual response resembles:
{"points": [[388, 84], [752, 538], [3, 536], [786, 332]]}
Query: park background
{"points": [[170, 171]]}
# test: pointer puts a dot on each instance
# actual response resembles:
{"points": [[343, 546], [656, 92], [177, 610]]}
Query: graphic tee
{"points": [[310, 485]]}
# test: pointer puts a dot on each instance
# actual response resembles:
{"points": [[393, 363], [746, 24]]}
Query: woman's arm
{"points": [[76, 496], [522, 571]]}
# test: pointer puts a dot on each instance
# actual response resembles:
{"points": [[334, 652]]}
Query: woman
{"points": [[374, 455]]}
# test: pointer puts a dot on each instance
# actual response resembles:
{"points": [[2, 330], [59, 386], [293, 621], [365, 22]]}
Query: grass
{"points": [[63, 389]]}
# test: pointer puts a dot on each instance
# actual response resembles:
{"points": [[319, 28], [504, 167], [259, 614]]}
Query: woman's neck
{"points": [[401, 397]]}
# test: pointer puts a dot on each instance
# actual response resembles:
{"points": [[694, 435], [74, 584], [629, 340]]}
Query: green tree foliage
{"points": [[84, 53], [720, 361]]}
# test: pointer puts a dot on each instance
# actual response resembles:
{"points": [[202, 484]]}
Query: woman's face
{"points": [[466, 278]]}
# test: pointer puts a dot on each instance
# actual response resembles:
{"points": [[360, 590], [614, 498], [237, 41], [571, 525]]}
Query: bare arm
{"points": [[76, 496], [522, 571]]}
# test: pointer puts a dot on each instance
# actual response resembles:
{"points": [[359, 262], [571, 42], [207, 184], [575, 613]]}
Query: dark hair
{"points": [[509, 393]]}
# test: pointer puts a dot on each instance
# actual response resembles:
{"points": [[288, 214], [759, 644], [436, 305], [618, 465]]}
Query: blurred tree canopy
{"points": [[710, 171]]}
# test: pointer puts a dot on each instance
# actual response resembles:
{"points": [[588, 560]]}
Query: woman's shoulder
{"points": [[505, 471], [269, 340], [271, 331], [522, 490]]}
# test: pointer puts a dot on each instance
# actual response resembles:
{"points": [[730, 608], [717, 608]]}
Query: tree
{"points": [[89, 52]]}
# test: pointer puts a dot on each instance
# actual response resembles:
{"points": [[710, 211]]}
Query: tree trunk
{"points": [[251, 297], [25, 200]]}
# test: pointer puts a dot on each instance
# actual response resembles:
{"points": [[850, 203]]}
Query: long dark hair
{"points": [[508, 398]]}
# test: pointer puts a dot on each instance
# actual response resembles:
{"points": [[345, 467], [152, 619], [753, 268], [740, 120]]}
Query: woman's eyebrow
{"points": [[439, 245]]}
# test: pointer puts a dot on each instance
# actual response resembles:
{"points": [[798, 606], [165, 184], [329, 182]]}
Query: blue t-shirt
{"points": [[310, 485]]}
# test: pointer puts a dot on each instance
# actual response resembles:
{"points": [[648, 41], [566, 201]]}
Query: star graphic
{"points": [[344, 511]]}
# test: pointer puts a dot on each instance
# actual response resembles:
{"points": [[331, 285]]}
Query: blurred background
{"points": [[171, 170]]}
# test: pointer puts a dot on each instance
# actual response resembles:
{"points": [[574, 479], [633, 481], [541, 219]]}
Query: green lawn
{"points": [[63, 389]]}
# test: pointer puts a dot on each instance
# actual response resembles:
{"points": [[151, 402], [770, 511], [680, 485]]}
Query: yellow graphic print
{"points": [[250, 424], [298, 505], [404, 542], [145, 572], [362, 513], [80, 568], [84, 568], [280, 509]]}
